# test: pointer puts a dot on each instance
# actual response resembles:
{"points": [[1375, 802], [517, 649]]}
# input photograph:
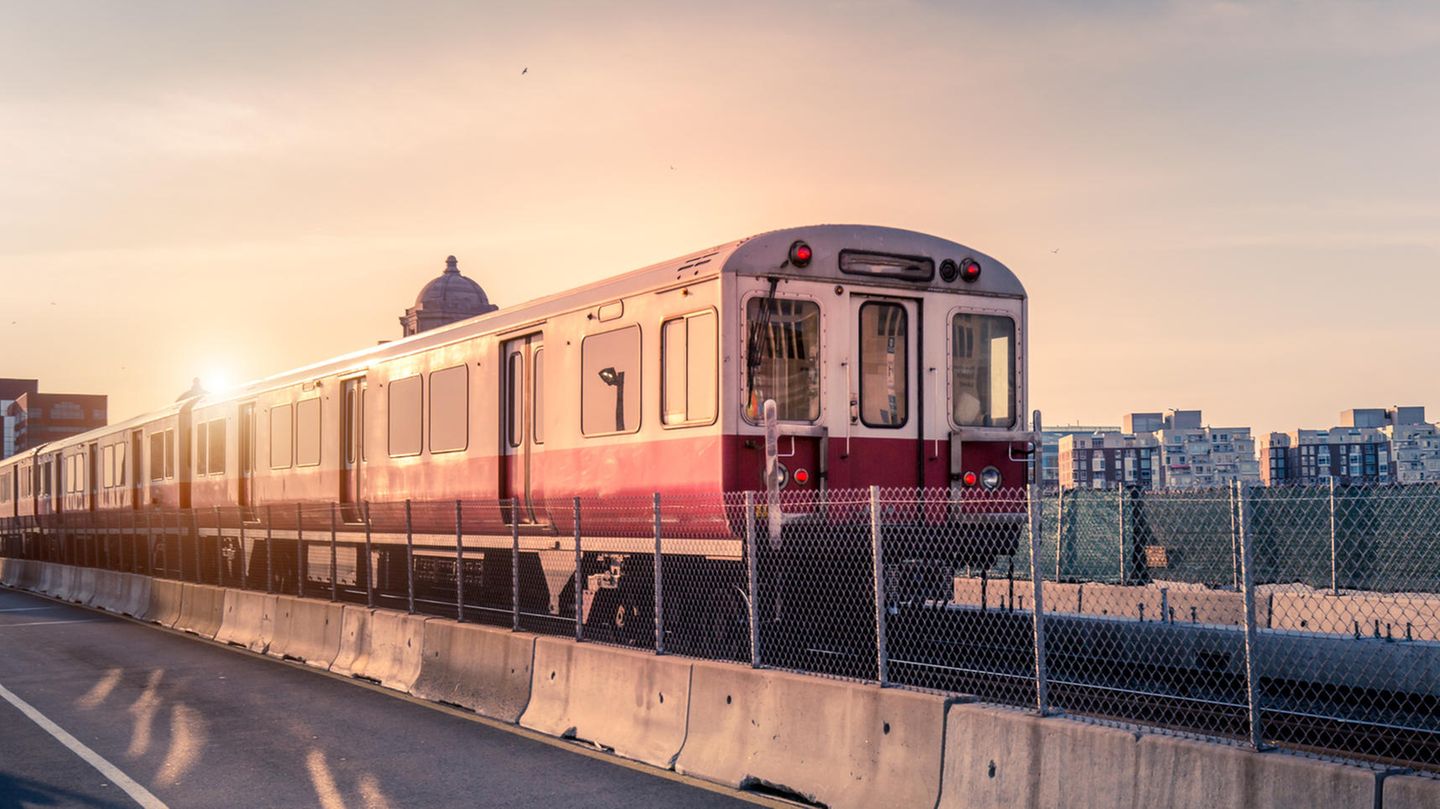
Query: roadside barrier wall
{"points": [[381, 645], [481, 668], [164, 606], [306, 630], [248, 620], [634, 703], [839, 743], [201, 610]]}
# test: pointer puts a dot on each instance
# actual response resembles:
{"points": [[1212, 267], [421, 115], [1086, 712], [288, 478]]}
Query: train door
{"points": [[522, 422], [885, 397], [247, 456], [352, 439], [136, 472], [92, 479]]}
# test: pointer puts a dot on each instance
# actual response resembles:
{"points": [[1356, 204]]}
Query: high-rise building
{"points": [[44, 417], [1107, 460], [1371, 445], [1050, 450], [10, 391]]}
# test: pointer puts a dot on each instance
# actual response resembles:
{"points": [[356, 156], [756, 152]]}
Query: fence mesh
{"points": [[1302, 617]]}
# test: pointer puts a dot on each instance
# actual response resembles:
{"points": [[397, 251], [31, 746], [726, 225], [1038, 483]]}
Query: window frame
{"points": [[664, 370], [390, 416], [319, 432], [1017, 358], [860, 363], [270, 433], [640, 385], [430, 409], [744, 337]]}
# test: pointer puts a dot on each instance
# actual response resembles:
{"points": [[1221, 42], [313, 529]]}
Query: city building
{"points": [[10, 391], [1050, 450], [1173, 449], [1106, 460], [1370, 445], [44, 417], [449, 298]]}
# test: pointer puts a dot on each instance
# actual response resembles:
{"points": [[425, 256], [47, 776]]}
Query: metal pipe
{"points": [[752, 578], [302, 559], [877, 554], [219, 550], [1334, 549], [1252, 671], [244, 573], [1124, 565], [459, 567], [515, 563], [1042, 680], [659, 584], [369, 562], [579, 576], [269, 549], [334, 554], [409, 560]]}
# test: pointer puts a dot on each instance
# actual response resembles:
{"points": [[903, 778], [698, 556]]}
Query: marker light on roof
{"points": [[970, 270], [800, 254]]}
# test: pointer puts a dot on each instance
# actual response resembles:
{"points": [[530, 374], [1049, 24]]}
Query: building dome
{"points": [[449, 298]]}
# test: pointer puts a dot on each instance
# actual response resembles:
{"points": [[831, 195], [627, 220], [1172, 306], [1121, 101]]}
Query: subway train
{"points": [[798, 364]]}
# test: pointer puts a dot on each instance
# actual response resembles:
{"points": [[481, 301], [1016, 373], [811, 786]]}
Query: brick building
{"points": [[44, 417]]}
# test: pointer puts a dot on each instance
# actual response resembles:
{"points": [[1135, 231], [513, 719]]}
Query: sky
{"points": [[1224, 206]]}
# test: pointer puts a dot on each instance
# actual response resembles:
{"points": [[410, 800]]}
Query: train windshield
{"points": [[783, 347], [983, 371]]}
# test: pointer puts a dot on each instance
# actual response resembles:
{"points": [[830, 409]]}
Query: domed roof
{"points": [[453, 293]]}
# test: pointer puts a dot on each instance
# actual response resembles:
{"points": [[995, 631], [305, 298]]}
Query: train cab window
{"points": [[884, 365], [537, 419], [307, 432], [215, 434], [983, 370], [282, 441], [610, 382], [782, 358], [450, 409], [405, 421], [688, 358]]}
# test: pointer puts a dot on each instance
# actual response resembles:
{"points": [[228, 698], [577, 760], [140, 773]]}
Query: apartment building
{"points": [[10, 391], [1370, 445], [1050, 443], [1107, 460]]}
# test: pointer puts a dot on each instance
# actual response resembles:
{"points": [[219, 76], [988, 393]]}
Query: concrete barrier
{"points": [[165, 599], [52, 579], [83, 587], [837, 743], [1307, 610], [14, 571], [248, 620], [134, 597], [380, 645], [106, 592], [1184, 773], [631, 702], [306, 630], [999, 594], [201, 610], [1411, 792], [481, 668]]}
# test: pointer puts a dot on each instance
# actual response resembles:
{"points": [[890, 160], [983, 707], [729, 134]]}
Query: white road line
{"points": [[140, 794], [51, 623], [30, 609]]}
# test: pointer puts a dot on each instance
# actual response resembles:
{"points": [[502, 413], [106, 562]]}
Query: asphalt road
{"points": [[191, 723]]}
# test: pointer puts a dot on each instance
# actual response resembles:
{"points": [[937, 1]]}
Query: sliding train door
{"points": [[522, 422], [352, 443]]}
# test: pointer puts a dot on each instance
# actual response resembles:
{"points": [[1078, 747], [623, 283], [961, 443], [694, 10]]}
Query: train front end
{"points": [[893, 359]]}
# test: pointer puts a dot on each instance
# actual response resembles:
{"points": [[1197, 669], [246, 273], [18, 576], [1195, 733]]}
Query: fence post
{"points": [[659, 585], [459, 567], [244, 572], [877, 555], [195, 540], [334, 554], [302, 559], [1334, 554], [515, 564], [1234, 536], [1124, 563], [369, 562], [409, 560], [752, 577], [149, 546], [1059, 529], [1247, 573], [579, 577], [219, 550], [1042, 681], [269, 549]]}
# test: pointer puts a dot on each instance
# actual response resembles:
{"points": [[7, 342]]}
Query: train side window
{"points": [[405, 421], [157, 456], [170, 453], [884, 365], [515, 398], [120, 476], [107, 466], [610, 382], [450, 409], [216, 436], [688, 349], [537, 418], [782, 358], [307, 432], [282, 443], [202, 447]]}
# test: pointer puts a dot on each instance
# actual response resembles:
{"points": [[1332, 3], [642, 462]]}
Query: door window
{"points": [[884, 365], [783, 358], [983, 370]]}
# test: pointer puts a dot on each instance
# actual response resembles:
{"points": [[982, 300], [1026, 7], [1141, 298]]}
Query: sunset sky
{"points": [[1245, 198]]}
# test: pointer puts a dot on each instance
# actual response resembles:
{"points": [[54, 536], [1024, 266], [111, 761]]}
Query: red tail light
{"points": [[800, 254]]}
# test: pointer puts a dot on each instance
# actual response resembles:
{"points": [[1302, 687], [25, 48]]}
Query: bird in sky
{"points": [[1056, 250], [526, 70]]}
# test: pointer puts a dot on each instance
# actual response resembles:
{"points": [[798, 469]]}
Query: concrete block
{"points": [[837, 743], [1189, 774], [165, 600], [82, 585], [381, 645], [248, 620], [481, 668], [634, 703], [306, 630], [8, 570], [1307, 610], [996, 757], [1411, 792], [106, 592], [134, 597]]}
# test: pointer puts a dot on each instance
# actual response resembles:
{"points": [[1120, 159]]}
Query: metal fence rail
{"points": [[1305, 618]]}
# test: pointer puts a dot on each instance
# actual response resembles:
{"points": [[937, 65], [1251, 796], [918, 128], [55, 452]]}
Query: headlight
{"points": [[990, 478]]}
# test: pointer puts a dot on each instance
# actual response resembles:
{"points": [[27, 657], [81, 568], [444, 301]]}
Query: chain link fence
{"points": [[1300, 617]]}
